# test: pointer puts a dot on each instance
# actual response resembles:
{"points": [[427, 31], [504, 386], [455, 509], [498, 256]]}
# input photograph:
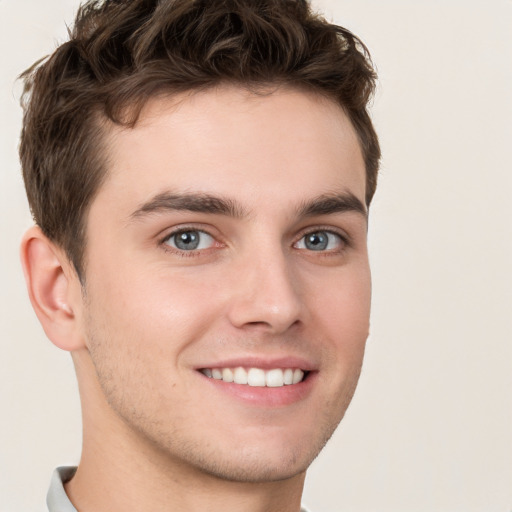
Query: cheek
{"points": [[157, 309], [344, 311], [137, 329]]}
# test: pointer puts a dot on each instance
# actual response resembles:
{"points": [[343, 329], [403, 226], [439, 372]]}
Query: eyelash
{"points": [[344, 238], [345, 241], [185, 254]]}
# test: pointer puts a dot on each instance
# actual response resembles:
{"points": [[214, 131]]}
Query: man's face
{"points": [[230, 239]]}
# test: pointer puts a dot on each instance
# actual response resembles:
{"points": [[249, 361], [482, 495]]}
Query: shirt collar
{"points": [[57, 499]]}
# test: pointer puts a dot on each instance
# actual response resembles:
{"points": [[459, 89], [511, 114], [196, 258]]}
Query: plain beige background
{"points": [[430, 428]]}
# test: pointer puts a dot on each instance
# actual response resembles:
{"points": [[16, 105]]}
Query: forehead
{"points": [[260, 148]]}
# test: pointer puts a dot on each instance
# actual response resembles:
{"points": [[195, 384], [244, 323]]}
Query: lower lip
{"points": [[265, 396]]}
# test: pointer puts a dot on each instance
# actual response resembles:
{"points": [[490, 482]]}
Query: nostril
{"points": [[271, 326]]}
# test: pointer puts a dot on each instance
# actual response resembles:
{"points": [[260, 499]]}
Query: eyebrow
{"points": [[332, 203], [202, 203], [205, 203]]}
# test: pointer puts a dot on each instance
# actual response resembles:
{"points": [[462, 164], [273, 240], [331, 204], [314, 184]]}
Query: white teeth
{"points": [[257, 377], [240, 376], [275, 378], [227, 375], [297, 376]]}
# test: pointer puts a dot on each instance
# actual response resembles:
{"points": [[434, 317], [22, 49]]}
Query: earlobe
{"points": [[50, 282]]}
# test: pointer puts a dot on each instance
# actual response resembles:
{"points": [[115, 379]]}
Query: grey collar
{"points": [[57, 499]]}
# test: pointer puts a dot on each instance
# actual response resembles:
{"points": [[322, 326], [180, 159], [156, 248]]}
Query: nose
{"points": [[266, 295]]}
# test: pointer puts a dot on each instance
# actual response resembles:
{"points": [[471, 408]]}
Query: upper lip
{"points": [[261, 362]]}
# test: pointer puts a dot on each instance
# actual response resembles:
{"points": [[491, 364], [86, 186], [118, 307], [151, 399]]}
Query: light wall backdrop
{"points": [[430, 428]]}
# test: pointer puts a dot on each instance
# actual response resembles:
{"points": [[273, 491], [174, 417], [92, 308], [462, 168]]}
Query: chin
{"points": [[256, 469], [258, 461]]}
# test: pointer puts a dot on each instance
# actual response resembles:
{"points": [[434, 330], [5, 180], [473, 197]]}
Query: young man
{"points": [[200, 174]]}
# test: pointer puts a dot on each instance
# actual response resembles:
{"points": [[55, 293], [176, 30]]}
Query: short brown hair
{"points": [[123, 52]]}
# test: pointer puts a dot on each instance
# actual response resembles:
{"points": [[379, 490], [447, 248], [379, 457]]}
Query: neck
{"points": [[121, 471]]}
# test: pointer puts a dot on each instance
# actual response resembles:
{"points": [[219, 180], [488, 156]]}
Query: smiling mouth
{"points": [[257, 377]]}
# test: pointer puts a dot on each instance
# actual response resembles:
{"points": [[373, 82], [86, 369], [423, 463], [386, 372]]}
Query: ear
{"points": [[54, 289]]}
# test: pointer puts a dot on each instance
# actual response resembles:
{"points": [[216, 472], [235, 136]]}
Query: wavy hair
{"points": [[121, 53]]}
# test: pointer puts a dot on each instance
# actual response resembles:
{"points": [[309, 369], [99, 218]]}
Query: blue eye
{"points": [[190, 240], [320, 241]]}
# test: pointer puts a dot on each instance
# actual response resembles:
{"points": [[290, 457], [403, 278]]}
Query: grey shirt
{"points": [[57, 499]]}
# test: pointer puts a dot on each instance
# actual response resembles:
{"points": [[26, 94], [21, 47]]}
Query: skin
{"points": [[158, 434]]}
